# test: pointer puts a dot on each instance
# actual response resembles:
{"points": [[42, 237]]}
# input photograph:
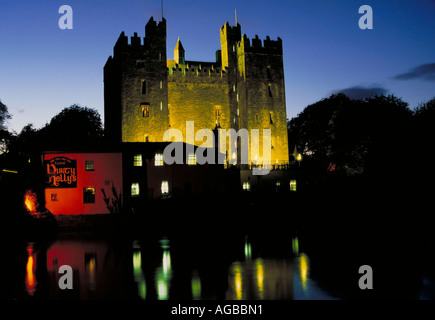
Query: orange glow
{"points": [[30, 271], [30, 201]]}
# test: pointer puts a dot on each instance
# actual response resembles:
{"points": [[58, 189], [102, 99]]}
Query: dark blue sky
{"points": [[44, 69]]}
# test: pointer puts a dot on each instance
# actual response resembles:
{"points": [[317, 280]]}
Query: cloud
{"points": [[360, 92], [424, 72]]}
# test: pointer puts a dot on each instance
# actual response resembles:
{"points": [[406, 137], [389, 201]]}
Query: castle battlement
{"points": [[255, 45], [199, 71], [153, 31]]}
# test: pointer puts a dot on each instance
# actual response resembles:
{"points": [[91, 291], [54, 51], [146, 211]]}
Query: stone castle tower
{"points": [[145, 93]]}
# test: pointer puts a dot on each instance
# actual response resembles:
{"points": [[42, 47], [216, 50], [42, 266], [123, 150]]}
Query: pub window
{"points": [[135, 189], [246, 186], [89, 165], [158, 160], [191, 159], [144, 87], [89, 195], [165, 187], [145, 110], [137, 160]]}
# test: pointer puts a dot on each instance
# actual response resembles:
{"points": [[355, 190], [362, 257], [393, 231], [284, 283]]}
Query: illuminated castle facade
{"points": [[146, 93]]}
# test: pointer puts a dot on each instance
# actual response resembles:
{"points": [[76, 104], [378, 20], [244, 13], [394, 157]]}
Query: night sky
{"points": [[44, 69]]}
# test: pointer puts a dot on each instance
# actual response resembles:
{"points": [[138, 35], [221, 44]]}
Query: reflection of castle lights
{"points": [[30, 271], [303, 261], [196, 286], [260, 277], [166, 263], [238, 280], [138, 274], [248, 249], [164, 274]]}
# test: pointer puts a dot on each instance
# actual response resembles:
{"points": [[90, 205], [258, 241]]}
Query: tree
{"points": [[73, 127], [5, 135], [357, 136], [4, 115]]}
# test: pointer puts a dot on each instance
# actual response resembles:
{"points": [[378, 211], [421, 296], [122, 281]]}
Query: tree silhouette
{"points": [[356, 136], [74, 127]]}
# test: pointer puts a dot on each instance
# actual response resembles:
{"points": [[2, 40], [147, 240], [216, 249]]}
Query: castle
{"points": [[146, 93]]}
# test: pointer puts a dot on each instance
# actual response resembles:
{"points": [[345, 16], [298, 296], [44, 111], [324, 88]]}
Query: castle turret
{"points": [[135, 86], [179, 53]]}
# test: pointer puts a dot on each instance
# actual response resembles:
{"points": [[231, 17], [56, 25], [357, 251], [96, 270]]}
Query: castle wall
{"points": [[198, 94]]}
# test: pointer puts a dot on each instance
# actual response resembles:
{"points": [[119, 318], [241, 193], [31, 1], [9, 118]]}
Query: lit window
{"points": [[292, 185], [278, 183], [137, 160], [217, 115], [158, 160], [89, 195], [145, 110], [54, 197], [89, 165], [135, 189], [191, 159], [165, 187], [246, 186]]}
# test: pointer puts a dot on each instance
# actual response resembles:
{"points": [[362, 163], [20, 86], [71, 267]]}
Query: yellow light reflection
{"points": [[91, 266], [304, 264], [30, 271], [260, 277], [238, 281]]}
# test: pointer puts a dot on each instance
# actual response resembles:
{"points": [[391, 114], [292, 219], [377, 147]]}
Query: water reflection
{"points": [[138, 273], [164, 272], [106, 269], [196, 286], [303, 270], [30, 270]]}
